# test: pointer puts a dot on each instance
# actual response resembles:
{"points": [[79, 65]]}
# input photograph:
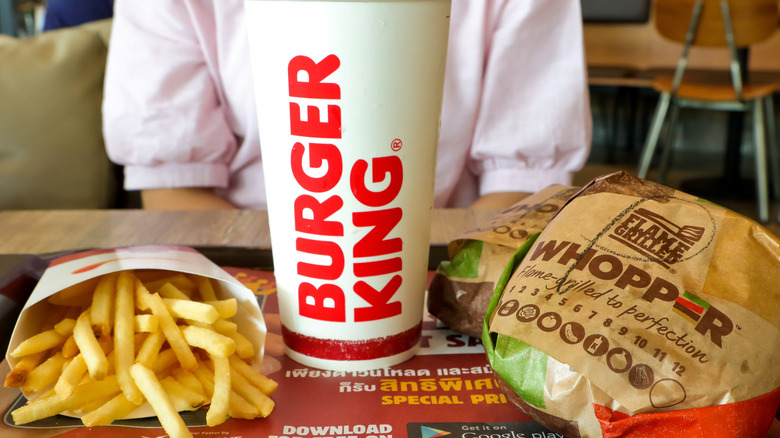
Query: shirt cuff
{"points": [[522, 180], [168, 176]]}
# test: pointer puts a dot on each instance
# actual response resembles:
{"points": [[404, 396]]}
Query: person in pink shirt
{"points": [[179, 111]]}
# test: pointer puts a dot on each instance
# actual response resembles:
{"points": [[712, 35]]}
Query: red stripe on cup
{"points": [[337, 349]]}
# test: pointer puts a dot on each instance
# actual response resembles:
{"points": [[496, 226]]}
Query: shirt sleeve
{"points": [[534, 124], [162, 116]]}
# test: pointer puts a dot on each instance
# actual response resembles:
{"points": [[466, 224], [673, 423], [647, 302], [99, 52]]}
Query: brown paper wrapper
{"points": [[638, 299], [461, 288]]}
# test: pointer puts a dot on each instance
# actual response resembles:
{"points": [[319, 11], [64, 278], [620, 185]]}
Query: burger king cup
{"points": [[348, 100]]}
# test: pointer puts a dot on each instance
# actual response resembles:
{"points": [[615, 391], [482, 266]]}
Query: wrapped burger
{"points": [[641, 311], [461, 287]]}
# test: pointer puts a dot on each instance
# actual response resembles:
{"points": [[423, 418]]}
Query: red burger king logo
{"points": [[375, 255]]}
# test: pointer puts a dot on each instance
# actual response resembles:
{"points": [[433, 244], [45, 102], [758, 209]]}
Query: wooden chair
{"points": [[732, 25]]}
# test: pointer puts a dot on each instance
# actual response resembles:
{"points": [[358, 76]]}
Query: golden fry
{"points": [[188, 379], [220, 399], [90, 348], [53, 405], [226, 308], [145, 323], [251, 393], [38, 343], [193, 310], [111, 363], [20, 373], [221, 326], [116, 408], [268, 386], [69, 348], [171, 330], [168, 290], [241, 408], [165, 363], [178, 280], [209, 340], [244, 347], [65, 327], [93, 389], [154, 393], [102, 309], [206, 289], [149, 350], [142, 297], [72, 373], [225, 327], [92, 404], [206, 378], [183, 398], [124, 339], [45, 374], [38, 409]]}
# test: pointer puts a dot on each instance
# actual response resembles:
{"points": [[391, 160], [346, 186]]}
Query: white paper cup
{"points": [[348, 99]]}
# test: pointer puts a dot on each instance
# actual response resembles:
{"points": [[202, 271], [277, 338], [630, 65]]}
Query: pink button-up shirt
{"points": [[179, 107]]}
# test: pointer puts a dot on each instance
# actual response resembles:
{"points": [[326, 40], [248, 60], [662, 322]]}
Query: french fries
{"points": [[167, 341]]}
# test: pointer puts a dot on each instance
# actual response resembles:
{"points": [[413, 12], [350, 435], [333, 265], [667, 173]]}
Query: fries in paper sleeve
{"points": [[136, 332]]}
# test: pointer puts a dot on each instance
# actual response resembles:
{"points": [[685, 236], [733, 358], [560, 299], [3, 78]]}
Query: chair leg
{"points": [[666, 156], [652, 138], [612, 126], [762, 188], [772, 153]]}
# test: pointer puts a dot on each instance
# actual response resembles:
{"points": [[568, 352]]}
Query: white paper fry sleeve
{"points": [[84, 268]]}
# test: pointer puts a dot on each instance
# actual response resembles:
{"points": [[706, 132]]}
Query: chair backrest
{"points": [[753, 21], [615, 11], [7, 18]]}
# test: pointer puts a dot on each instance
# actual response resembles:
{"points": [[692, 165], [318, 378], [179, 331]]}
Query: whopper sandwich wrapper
{"points": [[641, 311]]}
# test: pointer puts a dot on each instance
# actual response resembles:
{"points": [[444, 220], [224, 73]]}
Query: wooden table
{"points": [[50, 231]]}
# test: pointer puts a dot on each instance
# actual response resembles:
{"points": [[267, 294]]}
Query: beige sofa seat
{"points": [[52, 154]]}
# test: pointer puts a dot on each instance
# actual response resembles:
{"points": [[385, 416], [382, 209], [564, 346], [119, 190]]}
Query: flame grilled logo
{"points": [[656, 237]]}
